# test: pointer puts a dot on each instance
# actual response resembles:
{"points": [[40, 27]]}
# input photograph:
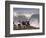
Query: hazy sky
{"points": [[25, 10]]}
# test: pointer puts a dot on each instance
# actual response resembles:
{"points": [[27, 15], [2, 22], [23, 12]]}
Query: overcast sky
{"points": [[25, 10]]}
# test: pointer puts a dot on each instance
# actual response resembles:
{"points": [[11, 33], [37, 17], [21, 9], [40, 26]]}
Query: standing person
{"points": [[24, 24], [27, 24]]}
